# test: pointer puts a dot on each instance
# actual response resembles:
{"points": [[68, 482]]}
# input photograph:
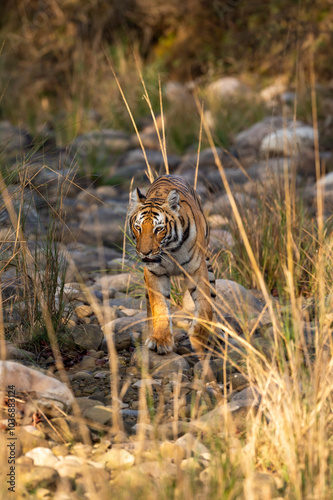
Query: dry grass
{"points": [[290, 435]]}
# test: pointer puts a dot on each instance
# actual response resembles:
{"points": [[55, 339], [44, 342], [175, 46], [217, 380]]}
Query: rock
{"points": [[190, 465], [160, 366], [13, 139], [83, 311], [222, 205], [287, 141], [123, 174], [28, 380], [72, 291], [43, 456], [246, 397], [30, 438], [123, 301], [159, 471], [170, 430], [264, 346], [60, 450], [147, 382], [326, 181], [87, 336], [272, 91], [263, 485], [232, 299], [192, 446], [51, 183], [23, 201], [234, 176], [248, 142], [219, 367], [70, 467], [177, 93], [237, 409], [82, 376], [87, 363], [14, 353], [43, 494], [226, 87], [87, 258], [86, 402], [219, 238], [102, 375], [105, 224], [238, 382], [155, 158], [32, 477], [216, 221], [118, 459], [206, 159], [119, 282], [122, 328], [130, 312], [100, 143], [63, 429], [149, 140], [233, 296], [100, 414], [171, 451], [119, 264]]}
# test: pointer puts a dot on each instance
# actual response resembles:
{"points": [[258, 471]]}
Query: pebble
{"points": [[117, 459], [42, 456], [99, 414], [87, 336]]}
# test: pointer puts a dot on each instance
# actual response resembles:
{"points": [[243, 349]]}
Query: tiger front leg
{"points": [[201, 293], [158, 313]]}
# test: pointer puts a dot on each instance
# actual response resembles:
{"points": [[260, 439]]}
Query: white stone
{"points": [[119, 282], [288, 140], [29, 380], [226, 86], [193, 446], [326, 181], [43, 456], [117, 459], [272, 91]]}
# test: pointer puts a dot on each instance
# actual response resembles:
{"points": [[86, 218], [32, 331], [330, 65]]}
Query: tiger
{"points": [[171, 234]]}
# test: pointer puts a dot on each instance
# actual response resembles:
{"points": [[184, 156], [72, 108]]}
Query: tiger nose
{"points": [[146, 253]]}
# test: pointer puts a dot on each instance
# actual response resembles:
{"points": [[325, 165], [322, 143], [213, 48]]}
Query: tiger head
{"points": [[153, 224]]}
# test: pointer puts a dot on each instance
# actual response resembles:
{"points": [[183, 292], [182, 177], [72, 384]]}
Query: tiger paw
{"points": [[162, 345]]}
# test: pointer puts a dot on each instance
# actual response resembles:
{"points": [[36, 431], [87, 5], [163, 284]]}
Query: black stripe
{"points": [[186, 234], [156, 274], [176, 230], [186, 261]]}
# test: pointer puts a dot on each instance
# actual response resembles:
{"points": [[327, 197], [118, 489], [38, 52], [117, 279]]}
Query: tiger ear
{"points": [[173, 200], [137, 197]]}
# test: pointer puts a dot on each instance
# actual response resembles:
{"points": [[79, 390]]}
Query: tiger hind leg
{"points": [[202, 290]]}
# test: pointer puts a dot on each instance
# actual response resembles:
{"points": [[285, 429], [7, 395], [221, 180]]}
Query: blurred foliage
{"points": [[55, 51]]}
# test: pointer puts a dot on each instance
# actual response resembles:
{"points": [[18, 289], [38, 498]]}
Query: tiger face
{"points": [[151, 222]]}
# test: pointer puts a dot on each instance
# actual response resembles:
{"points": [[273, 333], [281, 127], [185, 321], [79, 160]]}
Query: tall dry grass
{"points": [[289, 436]]}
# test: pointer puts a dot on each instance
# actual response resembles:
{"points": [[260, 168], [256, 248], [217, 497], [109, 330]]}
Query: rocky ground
{"points": [[159, 408]]}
